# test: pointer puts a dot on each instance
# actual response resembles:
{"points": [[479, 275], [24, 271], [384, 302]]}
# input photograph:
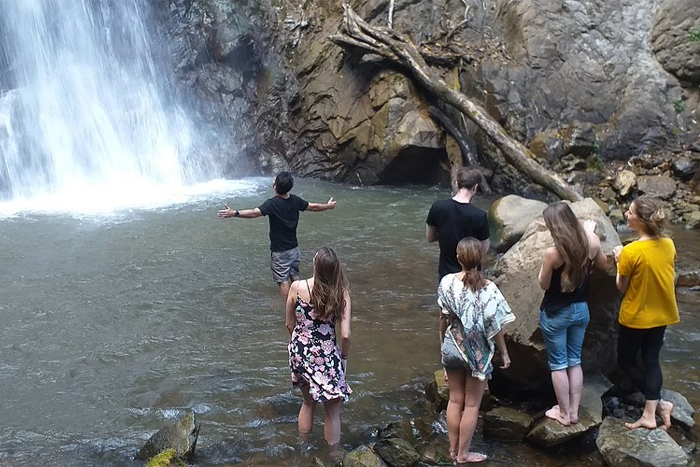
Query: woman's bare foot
{"points": [[664, 410], [453, 454], [472, 458], [642, 423], [555, 414]]}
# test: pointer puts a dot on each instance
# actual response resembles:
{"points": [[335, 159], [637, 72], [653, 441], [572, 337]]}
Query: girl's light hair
{"points": [[571, 242], [651, 212], [469, 255], [330, 284]]}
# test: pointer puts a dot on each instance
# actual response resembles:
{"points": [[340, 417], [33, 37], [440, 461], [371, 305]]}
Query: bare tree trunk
{"points": [[391, 14], [396, 47]]}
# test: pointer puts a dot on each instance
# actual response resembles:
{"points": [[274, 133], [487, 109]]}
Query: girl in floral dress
{"points": [[471, 327], [315, 308]]}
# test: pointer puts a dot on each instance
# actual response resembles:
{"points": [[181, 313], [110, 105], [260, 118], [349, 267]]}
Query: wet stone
{"points": [[363, 457], [654, 448], [506, 423], [547, 433]]}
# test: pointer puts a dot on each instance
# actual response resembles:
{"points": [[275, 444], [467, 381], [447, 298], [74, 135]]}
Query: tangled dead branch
{"points": [[355, 34]]}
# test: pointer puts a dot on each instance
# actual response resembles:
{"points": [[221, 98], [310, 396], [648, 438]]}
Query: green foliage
{"points": [[694, 36], [596, 148], [594, 161], [679, 105], [167, 458]]}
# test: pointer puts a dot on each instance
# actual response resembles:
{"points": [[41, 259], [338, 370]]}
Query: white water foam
{"points": [[89, 125]]}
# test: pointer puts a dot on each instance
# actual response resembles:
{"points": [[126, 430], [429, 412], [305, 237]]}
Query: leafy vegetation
{"points": [[678, 105], [694, 36]]}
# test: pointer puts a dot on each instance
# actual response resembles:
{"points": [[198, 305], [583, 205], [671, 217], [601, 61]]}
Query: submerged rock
{"points": [[363, 457], [654, 448], [506, 423], [181, 436], [397, 452]]}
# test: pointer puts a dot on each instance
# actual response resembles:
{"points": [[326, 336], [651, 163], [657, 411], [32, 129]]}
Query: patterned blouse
{"points": [[477, 318]]}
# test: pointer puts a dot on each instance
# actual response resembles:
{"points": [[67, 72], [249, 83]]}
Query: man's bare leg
{"points": [[284, 290]]}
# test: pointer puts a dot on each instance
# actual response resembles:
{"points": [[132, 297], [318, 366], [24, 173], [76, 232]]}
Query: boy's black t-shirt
{"points": [[284, 217], [454, 221]]}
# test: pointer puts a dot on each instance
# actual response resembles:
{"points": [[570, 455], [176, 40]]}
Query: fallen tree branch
{"points": [[355, 33]]}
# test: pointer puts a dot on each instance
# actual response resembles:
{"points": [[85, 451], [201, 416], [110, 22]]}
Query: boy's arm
{"points": [[316, 207], [245, 213]]}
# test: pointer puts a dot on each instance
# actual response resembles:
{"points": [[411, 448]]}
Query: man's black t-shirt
{"points": [[284, 217], [454, 221]]}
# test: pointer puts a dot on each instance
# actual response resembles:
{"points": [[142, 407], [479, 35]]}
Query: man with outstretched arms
{"points": [[283, 211]]}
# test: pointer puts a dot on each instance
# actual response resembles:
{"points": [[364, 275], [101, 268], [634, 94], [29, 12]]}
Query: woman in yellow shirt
{"points": [[645, 277]]}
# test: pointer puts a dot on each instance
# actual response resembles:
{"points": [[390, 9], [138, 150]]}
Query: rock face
{"points": [[674, 23], [655, 448], [517, 272], [265, 73]]}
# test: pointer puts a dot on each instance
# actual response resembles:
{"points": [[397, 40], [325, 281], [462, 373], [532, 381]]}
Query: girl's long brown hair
{"points": [[571, 242], [330, 284], [469, 255]]}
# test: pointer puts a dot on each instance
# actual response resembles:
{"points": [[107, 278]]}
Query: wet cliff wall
{"points": [[608, 79]]}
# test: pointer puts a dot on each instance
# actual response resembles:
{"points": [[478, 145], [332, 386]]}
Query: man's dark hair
{"points": [[283, 183], [467, 178]]}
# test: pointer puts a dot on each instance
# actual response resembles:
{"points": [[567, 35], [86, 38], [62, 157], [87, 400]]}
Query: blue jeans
{"points": [[563, 334]]}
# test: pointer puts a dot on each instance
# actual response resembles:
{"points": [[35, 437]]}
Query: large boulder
{"points": [[641, 447], [509, 217], [516, 276]]}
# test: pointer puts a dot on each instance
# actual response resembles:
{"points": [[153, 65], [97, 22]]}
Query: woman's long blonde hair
{"points": [[571, 242], [469, 254], [330, 284]]}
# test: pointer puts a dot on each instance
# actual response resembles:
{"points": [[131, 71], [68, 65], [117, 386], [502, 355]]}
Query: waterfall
{"points": [[86, 108]]}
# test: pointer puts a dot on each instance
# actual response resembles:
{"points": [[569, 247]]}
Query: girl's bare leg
{"points": [[457, 380], [331, 424], [306, 413], [560, 412], [575, 374], [475, 391]]}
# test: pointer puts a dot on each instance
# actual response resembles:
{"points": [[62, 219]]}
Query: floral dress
{"points": [[478, 317], [314, 357]]}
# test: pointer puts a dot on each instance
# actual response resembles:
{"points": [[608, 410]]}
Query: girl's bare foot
{"points": [[555, 414], [642, 423], [472, 458], [664, 410], [453, 454]]}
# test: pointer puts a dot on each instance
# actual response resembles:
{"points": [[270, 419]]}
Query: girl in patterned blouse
{"points": [[473, 314]]}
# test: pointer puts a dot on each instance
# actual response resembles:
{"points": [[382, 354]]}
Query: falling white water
{"points": [[86, 119]]}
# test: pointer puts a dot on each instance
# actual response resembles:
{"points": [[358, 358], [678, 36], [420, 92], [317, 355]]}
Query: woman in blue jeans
{"points": [[564, 276]]}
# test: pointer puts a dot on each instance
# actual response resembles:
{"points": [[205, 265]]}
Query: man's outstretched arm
{"points": [[245, 213], [316, 207]]}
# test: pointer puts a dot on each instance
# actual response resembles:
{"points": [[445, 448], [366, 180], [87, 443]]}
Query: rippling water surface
{"points": [[113, 324]]}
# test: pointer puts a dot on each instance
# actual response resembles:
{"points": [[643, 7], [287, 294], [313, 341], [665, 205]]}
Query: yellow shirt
{"points": [[650, 299]]}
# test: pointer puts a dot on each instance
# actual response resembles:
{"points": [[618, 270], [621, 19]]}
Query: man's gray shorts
{"points": [[285, 265]]}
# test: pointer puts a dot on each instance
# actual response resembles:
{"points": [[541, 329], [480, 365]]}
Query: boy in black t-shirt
{"points": [[450, 220], [283, 211]]}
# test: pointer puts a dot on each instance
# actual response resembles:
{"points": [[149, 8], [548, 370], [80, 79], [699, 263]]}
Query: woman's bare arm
{"points": [[290, 318]]}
